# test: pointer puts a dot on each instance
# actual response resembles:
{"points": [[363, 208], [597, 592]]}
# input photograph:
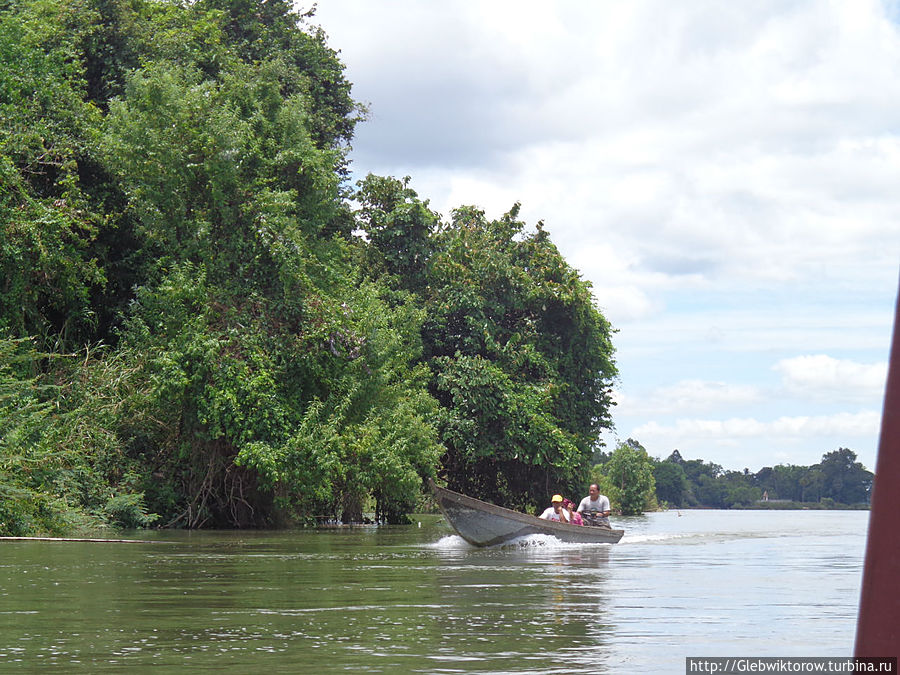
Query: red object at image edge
{"points": [[878, 624]]}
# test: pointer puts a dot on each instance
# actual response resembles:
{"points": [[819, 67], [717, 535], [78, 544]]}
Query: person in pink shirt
{"points": [[574, 516]]}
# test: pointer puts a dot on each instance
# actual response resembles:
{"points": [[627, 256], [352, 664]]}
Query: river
{"points": [[417, 599]]}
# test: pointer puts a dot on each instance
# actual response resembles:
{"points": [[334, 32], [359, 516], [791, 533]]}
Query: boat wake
{"points": [[451, 542], [454, 542], [695, 537], [657, 538], [547, 541]]}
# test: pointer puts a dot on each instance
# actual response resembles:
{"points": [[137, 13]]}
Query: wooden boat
{"points": [[483, 524]]}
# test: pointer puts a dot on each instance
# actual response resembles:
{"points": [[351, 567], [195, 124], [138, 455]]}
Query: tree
{"points": [[812, 484], [522, 358], [694, 469], [844, 479], [739, 489], [400, 228], [48, 222], [273, 32], [671, 482], [172, 183], [781, 481], [630, 473]]}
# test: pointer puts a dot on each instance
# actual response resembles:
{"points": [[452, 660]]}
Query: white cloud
{"points": [[820, 376], [783, 428], [759, 326], [740, 141], [624, 303], [700, 432], [687, 396]]}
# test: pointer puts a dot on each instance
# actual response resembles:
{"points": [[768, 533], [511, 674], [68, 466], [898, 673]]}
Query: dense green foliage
{"points": [[627, 478], [520, 356], [202, 324]]}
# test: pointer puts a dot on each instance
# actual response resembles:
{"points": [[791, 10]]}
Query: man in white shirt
{"points": [[594, 508], [555, 511]]}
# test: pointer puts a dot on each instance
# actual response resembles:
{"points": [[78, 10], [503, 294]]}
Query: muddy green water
{"points": [[419, 600]]}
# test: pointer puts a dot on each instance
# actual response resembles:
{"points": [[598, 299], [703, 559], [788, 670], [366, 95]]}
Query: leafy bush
{"points": [[128, 511]]}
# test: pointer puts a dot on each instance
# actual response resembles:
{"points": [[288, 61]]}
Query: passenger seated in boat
{"points": [[594, 508], [574, 516], [555, 511]]}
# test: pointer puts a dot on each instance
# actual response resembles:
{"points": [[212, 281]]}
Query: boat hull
{"points": [[483, 524]]}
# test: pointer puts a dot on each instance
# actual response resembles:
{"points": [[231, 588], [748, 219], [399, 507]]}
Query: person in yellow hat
{"points": [[555, 511]]}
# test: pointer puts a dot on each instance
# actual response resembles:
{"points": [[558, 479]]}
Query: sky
{"points": [[726, 175]]}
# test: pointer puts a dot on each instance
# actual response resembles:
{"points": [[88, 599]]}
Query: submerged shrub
{"points": [[128, 511]]}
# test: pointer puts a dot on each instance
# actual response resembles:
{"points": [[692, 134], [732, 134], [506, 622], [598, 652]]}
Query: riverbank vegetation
{"points": [[203, 323], [636, 482]]}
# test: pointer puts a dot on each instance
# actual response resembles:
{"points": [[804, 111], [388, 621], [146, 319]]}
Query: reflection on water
{"points": [[419, 599]]}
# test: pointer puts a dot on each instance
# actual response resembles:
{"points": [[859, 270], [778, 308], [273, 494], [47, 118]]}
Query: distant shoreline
{"points": [[778, 506]]}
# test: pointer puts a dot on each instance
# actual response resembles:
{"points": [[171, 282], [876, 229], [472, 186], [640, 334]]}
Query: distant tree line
{"points": [[202, 324], [636, 482], [837, 479]]}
